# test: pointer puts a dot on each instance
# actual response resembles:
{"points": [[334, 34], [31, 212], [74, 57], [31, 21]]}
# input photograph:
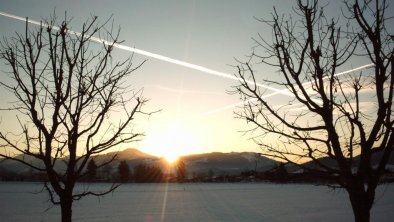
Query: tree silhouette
{"points": [[91, 170], [106, 172], [148, 174], [65, 90], [332, 117], [124, 171]]}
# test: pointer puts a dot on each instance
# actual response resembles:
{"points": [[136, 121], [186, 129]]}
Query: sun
{"points": [[171, 158], [172, 141]]}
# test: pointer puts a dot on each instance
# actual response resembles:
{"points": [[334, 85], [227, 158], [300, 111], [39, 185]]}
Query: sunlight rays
{"points": [[164, 204]]}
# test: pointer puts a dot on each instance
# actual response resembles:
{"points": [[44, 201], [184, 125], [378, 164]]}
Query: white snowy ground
{"points": [[195, 202]]}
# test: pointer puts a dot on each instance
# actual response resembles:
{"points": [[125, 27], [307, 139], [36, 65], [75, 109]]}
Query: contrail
{"points": [[183, 63], [220, 109], [155, 56], [168, 89], [336, 75]]}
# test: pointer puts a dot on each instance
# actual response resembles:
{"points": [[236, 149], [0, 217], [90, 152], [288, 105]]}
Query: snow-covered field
{"points": [[195, 202]]}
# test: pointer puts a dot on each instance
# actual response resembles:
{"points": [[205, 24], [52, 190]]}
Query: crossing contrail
{"points": [[203, 69], [335, 75], [220, 109], [154, 55], [183, 91]]}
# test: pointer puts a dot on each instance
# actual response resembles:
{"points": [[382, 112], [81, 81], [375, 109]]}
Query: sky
{"points": [[197, 112]]}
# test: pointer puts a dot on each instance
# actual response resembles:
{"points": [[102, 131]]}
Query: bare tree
{"points": [[339, 121], [73, 101]]}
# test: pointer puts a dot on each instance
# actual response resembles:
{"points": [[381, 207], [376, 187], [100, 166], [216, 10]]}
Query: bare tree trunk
{"points": [[360, 209], [66, 207], [361, 203]]}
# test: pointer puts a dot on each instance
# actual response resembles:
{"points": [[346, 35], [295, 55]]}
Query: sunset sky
{"points": [[196, 110]]}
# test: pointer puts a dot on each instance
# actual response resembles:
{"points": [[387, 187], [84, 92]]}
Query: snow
{"points": [[195, 202]]}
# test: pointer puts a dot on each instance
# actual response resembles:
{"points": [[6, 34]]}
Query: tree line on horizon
{"points": [[123, 173], [145, 173]]}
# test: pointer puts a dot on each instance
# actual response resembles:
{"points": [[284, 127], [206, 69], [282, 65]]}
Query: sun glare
{"points": [[171, 158], [171, 142]]}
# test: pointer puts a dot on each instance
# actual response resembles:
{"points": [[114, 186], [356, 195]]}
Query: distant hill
{"points": [[130, 154], [333, 164], [205, 164], [201, 164], [197, 165], [227, 163], [11, 166]]}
